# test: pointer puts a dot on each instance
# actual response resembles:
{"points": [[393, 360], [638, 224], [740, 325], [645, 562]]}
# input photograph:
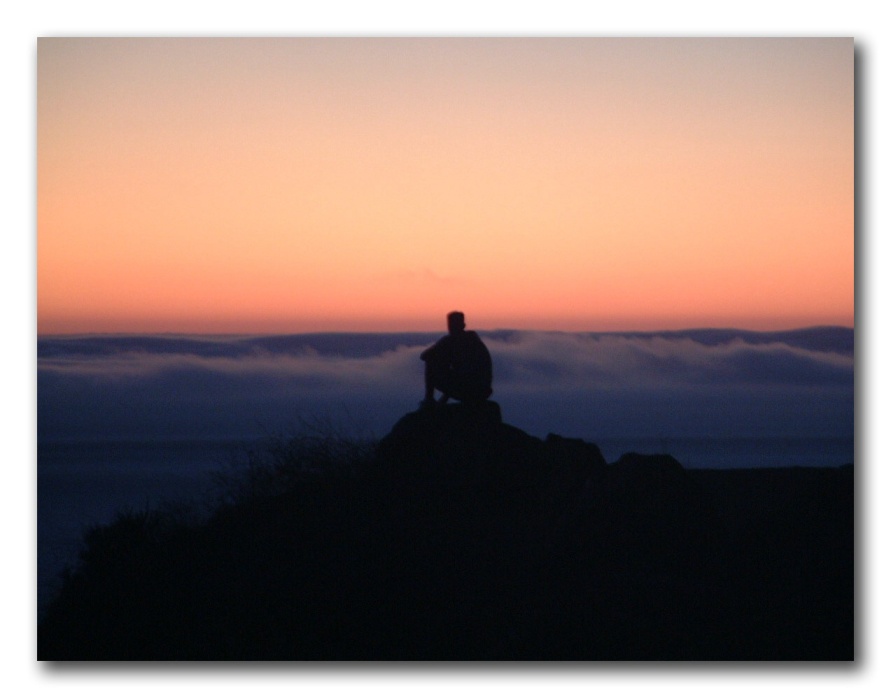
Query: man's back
{"points": [[471, 358], [459, 364]]}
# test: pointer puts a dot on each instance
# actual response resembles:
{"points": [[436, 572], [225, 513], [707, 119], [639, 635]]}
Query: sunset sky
{"points": [[293, 185]]}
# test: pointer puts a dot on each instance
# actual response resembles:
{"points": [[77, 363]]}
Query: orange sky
{"points": [[260, 185]]}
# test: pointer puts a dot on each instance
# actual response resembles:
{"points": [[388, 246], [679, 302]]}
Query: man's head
{"points": [[455, 321]]}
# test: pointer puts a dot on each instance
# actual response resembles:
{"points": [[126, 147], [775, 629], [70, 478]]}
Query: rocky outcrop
{"points": [[459, 441], [466, 538]]}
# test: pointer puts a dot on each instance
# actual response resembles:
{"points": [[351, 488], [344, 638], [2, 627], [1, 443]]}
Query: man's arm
{"points": [[432, 351]]}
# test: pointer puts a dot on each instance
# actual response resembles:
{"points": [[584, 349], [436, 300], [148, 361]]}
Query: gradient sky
{"points": [[264, 185]]}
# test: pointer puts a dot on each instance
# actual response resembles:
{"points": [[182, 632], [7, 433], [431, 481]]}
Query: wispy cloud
{"points": [[589, 385], [616, 361]]}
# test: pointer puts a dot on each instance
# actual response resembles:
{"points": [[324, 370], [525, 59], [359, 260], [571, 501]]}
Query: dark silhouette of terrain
{"points": [[460, 537]]}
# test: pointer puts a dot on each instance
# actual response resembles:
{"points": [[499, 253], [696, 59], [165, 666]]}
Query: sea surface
{"points": [[84, 484], [81, 485]]}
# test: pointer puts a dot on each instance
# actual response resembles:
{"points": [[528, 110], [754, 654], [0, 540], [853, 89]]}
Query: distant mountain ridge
{"points": [[365, 344], [825, 338]]}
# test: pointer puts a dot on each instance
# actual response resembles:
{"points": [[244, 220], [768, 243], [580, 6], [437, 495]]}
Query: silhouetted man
{"points": [[458, 365]]}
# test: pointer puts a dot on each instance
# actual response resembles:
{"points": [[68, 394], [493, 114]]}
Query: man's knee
{"points": [[436, 373]]}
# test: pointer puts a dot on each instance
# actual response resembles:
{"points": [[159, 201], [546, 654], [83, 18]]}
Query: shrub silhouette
{"points": [[452, 542]]}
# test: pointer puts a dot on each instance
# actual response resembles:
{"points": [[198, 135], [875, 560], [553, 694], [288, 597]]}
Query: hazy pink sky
{"points": [[273, 185]]}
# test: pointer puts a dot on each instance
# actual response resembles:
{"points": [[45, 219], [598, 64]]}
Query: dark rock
{"points": [[438, 426], [471, 442], [466, 538], [652, 462], [574, 451]]}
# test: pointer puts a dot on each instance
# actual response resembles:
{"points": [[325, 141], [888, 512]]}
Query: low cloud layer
{"points": [[705, 383]]}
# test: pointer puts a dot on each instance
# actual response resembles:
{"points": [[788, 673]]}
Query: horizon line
{"points": [[696, 328]]}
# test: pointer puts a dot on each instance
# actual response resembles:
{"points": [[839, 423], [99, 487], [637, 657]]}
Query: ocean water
{"points": [[723, 453], [80, 485], [83, 484]]}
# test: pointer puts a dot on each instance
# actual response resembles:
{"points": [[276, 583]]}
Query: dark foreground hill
{"points": [[463, 538]]}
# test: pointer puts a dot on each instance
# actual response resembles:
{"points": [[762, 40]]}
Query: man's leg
{"points": [[428, 382], [436, 377]]}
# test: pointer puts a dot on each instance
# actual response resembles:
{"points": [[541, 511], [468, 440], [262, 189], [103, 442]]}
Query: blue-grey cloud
{"points": [[707, 382]]}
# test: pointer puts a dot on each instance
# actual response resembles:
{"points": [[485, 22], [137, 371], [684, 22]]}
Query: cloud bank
{"points": [[698, 383]]}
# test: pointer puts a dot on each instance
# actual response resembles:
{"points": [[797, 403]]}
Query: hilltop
{"points": [[461, 537]]}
